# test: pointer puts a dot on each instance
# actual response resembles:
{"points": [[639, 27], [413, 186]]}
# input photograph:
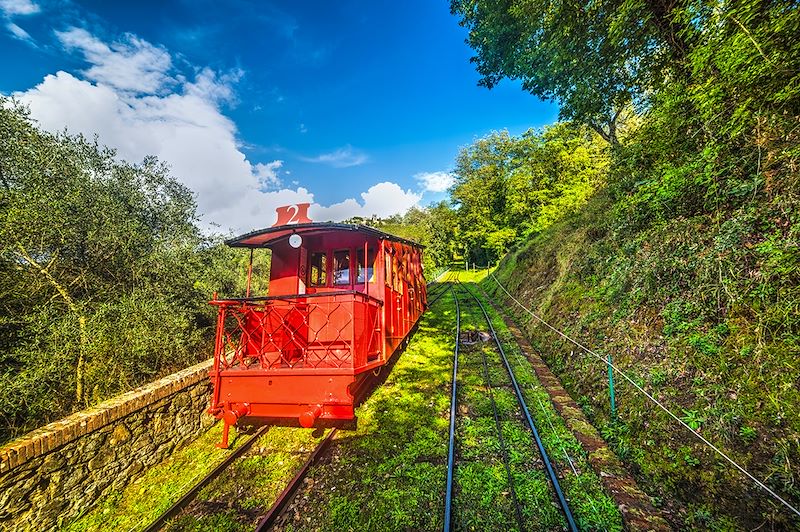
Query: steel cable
{"points": [[653, 399]]}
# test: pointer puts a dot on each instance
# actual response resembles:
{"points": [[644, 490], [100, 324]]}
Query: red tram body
{"points": [[342, 298]]}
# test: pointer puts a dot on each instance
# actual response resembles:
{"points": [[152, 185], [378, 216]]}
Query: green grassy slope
{"points": [[703, 311]]}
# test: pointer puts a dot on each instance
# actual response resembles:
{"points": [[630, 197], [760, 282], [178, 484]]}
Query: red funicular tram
{"points": [[342, 298]]}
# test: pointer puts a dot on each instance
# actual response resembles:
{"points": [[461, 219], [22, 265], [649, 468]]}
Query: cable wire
{"points": [[653, 399]]}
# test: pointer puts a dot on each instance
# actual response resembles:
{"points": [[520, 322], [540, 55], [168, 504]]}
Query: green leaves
{"points": [[594, 59], [104, 274], [508, 188]]}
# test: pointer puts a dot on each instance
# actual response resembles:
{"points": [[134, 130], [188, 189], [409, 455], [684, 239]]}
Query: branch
{"points": [[44, 270], [760, 51], [84, 339], [3, 178], [600, 131]]}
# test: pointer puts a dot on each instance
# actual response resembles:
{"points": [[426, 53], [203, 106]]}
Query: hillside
{"points": [[702, 312]]}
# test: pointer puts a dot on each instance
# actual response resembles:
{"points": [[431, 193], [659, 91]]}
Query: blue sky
{"points": [[358, 107]]}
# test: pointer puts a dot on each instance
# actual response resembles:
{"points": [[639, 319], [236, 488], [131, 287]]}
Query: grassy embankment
{"points": [[703, 312]]}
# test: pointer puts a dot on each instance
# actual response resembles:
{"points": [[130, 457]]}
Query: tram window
{"points": [[370, 266], [341, 267], [318, 270], [397, 274]]}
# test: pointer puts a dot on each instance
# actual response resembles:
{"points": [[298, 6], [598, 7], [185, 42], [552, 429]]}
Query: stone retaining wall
{"points": [[55, 473]]}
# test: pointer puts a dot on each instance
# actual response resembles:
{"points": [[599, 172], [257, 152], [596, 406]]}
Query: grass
{"points": [[706, 323], [151, 494], [251, 485], [232, 502]]}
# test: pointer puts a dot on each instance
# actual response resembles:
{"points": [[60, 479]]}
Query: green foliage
{"points": [[105, 276], [687, 264], [590, 58], [509, 188]]}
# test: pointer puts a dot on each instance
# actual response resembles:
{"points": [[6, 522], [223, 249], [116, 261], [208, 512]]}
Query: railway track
{"points": [[491, 382], [486, 372], [269, 519], [266, 520], [190, 495]]}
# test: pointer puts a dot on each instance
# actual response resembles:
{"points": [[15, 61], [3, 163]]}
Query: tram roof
{"points": [[264, 238]]}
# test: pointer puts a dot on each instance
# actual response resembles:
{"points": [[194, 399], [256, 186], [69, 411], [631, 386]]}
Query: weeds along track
{"points": [[499, 469], [190, 495], [494, 450], [248, 489]]}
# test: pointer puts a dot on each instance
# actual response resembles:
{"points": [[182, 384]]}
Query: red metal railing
{"points": [[325, 330]]}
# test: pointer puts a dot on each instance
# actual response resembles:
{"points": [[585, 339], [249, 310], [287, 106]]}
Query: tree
{"points": [[105, 276], [440, 228], [507, 188], [595, 59]]}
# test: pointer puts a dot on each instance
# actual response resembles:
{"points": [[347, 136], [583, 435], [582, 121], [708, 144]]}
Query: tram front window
{"points": [[341, 267], [317, 272]]}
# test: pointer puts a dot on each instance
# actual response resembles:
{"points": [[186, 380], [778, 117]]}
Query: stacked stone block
{"points": [[56, 473]]}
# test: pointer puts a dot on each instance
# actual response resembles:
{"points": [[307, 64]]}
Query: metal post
{"points": [[611, 388], [249, 273], [366, 268]]}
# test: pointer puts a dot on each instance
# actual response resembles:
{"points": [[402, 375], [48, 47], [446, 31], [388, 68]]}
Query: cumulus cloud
{"points": [[267, 174], [213, 86], [383, 199], [343, 157], [129, 99], [435, 181], [12, 8]]}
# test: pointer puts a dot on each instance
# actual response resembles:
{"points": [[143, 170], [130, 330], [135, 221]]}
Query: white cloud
{"points": [[212, 86], [435, 181], [130, 64], [383, 200], [344, 157], [19, 33], [186, 129], [11, 8], [267, 174]]}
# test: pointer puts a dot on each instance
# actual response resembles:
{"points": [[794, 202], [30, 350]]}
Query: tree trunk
{"points": [[73, 307]]}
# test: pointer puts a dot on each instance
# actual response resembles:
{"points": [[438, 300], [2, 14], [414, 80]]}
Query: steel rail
{"points": [[189, 496], [501, 439], [437, 297], [448, 501], [545, 458], [445, 287], [277, 508]]}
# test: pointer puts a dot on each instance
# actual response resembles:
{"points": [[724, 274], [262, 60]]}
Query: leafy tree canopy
{"points": [[104, 276]]}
